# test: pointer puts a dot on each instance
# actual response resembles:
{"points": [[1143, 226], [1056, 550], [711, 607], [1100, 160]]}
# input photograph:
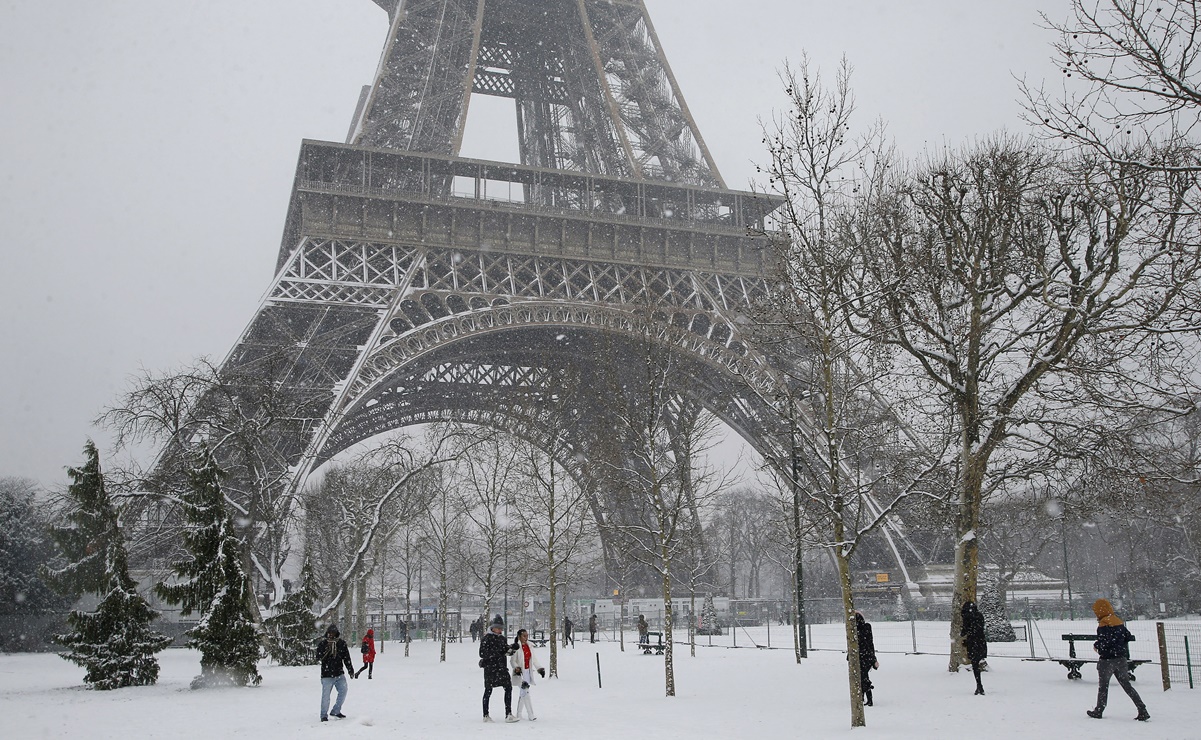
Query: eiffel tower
{"points": [[414, 285]]}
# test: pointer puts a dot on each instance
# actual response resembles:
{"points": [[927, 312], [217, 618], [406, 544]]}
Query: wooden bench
{"points": [[1074, 664], [538, 638], [648, 646]]}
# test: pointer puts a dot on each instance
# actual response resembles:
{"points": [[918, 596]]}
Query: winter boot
{"points": [[526, 702], [1143, 714], [1094, 713], [979, 689], [867, 698]]}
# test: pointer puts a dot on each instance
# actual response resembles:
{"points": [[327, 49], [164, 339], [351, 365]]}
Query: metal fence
{"points": [[1181, 645]]}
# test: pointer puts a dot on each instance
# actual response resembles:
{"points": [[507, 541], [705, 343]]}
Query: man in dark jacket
{"points": [[975, 641], [592, 625], [867, 656], [494, 651], [333, 655], [1113, 654]]}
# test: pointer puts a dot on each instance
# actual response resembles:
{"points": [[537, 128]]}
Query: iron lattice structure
{"points": [[414, 285]]}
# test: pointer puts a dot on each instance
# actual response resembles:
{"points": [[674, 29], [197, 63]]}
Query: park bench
{"points": [[648, 646], [1073, 663], [538, 638]]}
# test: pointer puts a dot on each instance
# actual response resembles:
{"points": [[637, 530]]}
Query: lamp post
{"points": [[1067, 576]]}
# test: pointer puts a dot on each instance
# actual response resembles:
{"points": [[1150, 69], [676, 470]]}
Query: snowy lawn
{"points": [[722, 693]]}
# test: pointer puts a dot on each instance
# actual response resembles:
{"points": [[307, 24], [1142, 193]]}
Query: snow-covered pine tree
{"points": [[293, 627], [709, 625], [114, 642], [997, 627], [900, 610], [214, 583]]}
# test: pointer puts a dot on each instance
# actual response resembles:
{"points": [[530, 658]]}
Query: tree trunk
{"points": [[967, 554], [692, 622], [554, 626], [852, 635], [669, 668], [442, 600], [408, 597], [360, 614]]}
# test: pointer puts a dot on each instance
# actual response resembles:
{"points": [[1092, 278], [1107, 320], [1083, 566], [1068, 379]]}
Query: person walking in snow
{"points": [[494, 649], [568, 632], [333, 654], [1113, 655], [974, 640], [525, 664], [592, 628], [867, 656], [367, 648], [644, 637]]}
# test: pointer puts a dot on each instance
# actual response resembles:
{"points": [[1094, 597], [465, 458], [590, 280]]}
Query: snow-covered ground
{"points": [[721, 693]]}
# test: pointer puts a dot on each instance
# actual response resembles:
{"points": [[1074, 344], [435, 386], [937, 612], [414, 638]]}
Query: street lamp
{"points": [[1067, 576]]}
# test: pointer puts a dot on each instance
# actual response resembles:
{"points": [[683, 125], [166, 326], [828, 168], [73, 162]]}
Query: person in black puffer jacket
{"points": [[494, 651], [1113, 654], [867, 657], [974, 640], [333, 655]]}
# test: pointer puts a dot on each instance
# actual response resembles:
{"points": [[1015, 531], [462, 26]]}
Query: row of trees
{"points": [[1016, 316]]}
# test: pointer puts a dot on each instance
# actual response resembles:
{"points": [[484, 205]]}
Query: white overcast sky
{"points": [[147, 151]]}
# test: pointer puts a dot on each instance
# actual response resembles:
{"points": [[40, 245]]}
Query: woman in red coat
{"points": [[368, 651]]}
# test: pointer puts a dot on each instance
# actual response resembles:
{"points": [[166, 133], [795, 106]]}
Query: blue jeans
{"points": [[338, 682]]}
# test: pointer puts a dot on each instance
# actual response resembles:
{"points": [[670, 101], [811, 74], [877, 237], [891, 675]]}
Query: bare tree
{"points": [[849, 462], [409, 467], [554, 521], [442, 538], [1005, 274], [486, 480], [1131, 81], [1014, 535], [659, 471], [243, 417]]}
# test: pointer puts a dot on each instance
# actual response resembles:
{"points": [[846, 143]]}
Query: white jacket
{"points": [[517, 663]]}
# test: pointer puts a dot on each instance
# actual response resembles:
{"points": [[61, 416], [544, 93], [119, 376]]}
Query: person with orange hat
{"points": [[1113, 651]]}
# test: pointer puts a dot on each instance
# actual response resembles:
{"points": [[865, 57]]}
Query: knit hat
{"points": [[332, 630], [497, 621], [371, 633]]}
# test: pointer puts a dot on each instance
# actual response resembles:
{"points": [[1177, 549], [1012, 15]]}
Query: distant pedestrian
{"points": [[1113, 653], [644, 637], [592, 628], [974, 640], [333, 654], [525, 664], [867, 657], [568, 632], [367, 648], [493, 651], [475, 629]]}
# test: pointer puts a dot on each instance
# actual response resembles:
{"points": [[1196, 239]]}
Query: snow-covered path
{"points": [[722, 693]]}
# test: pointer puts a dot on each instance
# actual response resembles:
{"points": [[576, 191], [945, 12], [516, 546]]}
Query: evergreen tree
{"points": [[997, 627], [294, 626], [214, 583], [114, 643]]}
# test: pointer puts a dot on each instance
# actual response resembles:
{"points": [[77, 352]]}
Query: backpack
{"points": [[364, 649]]}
